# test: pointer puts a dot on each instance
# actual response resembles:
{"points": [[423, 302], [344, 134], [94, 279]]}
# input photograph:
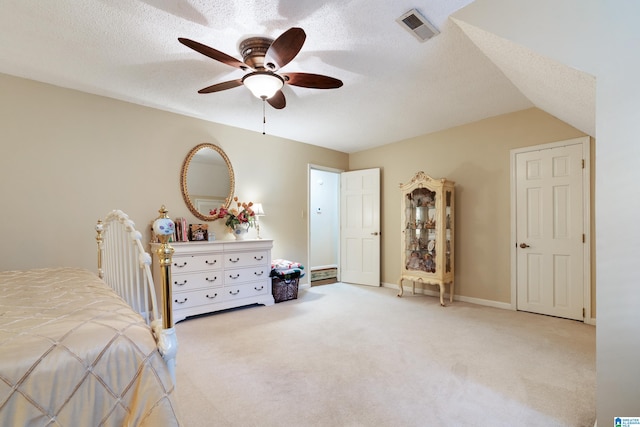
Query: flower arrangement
{"points": [[242, 214]]}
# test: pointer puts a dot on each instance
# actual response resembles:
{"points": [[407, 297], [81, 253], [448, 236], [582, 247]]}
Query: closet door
{"points": [[550, 231]]}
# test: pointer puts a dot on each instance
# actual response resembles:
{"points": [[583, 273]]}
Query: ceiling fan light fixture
{"points": [[263, 84]]}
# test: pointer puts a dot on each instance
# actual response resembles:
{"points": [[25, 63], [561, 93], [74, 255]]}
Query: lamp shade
{"points": [[257, 209], [263, 84]]}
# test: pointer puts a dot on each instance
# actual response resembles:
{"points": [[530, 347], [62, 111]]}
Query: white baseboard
{"points": [[479, 301]]}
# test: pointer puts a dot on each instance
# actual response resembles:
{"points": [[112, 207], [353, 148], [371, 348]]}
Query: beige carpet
{"points": [[348, 355]]}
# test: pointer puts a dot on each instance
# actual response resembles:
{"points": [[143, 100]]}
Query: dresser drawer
{"points": [[246, 290], [184, 300], [244, 275], [243, 259], [201, 279], [189, 263]]}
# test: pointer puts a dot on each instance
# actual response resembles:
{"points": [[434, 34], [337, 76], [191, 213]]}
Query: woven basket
{"points": [[284, 289]]}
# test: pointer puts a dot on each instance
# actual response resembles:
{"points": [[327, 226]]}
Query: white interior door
{"points": [[550, 231], [360, 227]]}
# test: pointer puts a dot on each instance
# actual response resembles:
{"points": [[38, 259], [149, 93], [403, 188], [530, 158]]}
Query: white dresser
{"points": [[212, 276]]}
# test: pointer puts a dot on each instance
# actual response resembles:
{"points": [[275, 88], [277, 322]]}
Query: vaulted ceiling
{"points": [[395, 87]]}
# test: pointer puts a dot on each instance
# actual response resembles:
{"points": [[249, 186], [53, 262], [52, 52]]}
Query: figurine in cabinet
{"points": [[424, 242], [414, 262], [428, 252], [410, 202], [429, 265]]}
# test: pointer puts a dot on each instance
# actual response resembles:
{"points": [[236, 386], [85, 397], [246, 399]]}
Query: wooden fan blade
{"points": [[278, 100], [213, 54], [314, 81], [284, 48], [221, 86]]}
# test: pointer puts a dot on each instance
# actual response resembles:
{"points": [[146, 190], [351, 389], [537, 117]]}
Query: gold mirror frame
{"points": [[183, 179]]}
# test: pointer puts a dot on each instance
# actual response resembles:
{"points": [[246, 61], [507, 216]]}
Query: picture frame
{"points": [[198, 232]]}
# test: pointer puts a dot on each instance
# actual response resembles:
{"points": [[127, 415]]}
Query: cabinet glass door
{"points": [[420, 231]]}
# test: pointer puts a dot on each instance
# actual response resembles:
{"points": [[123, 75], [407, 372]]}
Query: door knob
{"points": [[375, 233], [524, 245]]}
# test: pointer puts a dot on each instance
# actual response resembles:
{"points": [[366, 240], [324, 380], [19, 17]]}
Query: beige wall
{"points": [[68, 158], [610, 55], [476, 156]]}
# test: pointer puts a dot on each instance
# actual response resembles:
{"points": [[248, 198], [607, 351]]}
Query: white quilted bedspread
{"points": [[73, 353]]}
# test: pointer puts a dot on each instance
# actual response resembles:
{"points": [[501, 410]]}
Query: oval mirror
{"points": [[207, 180]]}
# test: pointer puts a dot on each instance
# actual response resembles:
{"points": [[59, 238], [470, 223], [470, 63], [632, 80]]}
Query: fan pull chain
{"points": [[264, 114]]}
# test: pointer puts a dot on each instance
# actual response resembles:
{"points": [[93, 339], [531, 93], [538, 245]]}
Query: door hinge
{"points": [[582, 163], [584, 238], [584, 312]]}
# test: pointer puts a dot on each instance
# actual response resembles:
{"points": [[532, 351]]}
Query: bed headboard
{"points": [[124, 265]]}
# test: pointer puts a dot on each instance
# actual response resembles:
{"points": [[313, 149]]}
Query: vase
{"points": [[240, 231]]}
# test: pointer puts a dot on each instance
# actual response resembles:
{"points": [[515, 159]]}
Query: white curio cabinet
{"points": [[427, 225]]}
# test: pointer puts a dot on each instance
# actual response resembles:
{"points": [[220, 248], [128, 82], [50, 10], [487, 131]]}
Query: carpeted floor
{"points": [[348, 355]]}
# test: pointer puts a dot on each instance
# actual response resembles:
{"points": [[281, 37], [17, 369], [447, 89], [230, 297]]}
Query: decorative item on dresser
{"points": [[238, 217], [258, 211], [213, 276], [427, 233]]}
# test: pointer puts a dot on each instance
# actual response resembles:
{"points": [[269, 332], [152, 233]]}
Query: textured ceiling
{"points": [[568, 94], [394, 86]]}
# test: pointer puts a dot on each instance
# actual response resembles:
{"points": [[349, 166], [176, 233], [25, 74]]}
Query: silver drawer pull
{"points": [[260, 258], [211, 262], [258, 289], [234, 277], [180, 284], [235, 293], [184, 264], [213, 297], [258, 274], [234, 260], [211, 280], [180, 302]]}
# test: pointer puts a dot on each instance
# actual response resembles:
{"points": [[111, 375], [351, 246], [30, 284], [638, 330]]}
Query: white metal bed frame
{"points": [[125, 266]]}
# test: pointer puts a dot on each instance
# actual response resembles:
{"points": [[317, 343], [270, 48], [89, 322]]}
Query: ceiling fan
{"points": [[264, 57]]}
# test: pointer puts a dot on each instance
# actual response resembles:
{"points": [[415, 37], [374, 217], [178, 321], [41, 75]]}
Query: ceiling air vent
{"points": [[417, 25]]}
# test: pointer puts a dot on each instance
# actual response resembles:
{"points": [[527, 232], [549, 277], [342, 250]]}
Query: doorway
{"points": [[344, 226], [324, 225], [550, 226]]}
